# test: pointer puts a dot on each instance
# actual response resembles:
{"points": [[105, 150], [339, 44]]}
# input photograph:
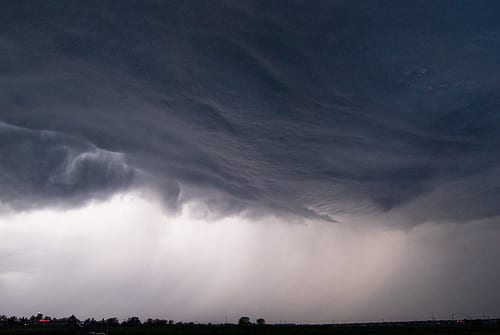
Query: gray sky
{"points": [[300, 161]]}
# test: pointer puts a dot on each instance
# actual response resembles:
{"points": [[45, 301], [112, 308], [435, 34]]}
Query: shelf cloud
{"points": [[314, 110]]}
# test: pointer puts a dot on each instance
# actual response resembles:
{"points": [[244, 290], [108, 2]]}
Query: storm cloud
{"points": [[316, 109], [296, 160]]}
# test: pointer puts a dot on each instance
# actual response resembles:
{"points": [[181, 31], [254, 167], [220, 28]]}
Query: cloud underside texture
{"points": [[316, 109]]}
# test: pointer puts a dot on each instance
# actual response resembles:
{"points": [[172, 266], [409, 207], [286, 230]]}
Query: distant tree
{"points": [[261, 322], [73, 323], [112, 322], [133, 321], [160, 322], [244, 321], [155, 322], [12, 320], [73, 319]]}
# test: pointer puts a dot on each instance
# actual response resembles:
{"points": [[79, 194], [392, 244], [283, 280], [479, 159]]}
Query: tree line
{"points": [[134, 321]]}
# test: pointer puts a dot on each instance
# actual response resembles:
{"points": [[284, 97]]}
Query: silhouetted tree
{"points": [[155, 322], [261, 322], [112, 322], [244, 321], [73, 318], [133, 321]]}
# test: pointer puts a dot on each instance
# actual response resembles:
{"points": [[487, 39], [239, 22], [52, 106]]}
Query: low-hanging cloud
{"points": [[46, 168], [316, 110]]}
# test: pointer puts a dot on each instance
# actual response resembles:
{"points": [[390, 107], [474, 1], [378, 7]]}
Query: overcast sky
{"points": [[302, 161]]}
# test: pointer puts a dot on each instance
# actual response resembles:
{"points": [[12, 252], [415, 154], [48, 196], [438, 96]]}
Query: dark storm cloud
{"points": [[313, 108], [43, 167]]}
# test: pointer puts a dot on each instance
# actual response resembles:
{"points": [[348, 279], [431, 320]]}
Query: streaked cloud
{"points": [[313, 110]]}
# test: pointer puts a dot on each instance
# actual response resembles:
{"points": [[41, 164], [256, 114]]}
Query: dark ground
{"points": [[298, 329]]}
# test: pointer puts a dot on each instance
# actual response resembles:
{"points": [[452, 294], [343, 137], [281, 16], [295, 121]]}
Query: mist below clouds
{"points": [[128, 257]]}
